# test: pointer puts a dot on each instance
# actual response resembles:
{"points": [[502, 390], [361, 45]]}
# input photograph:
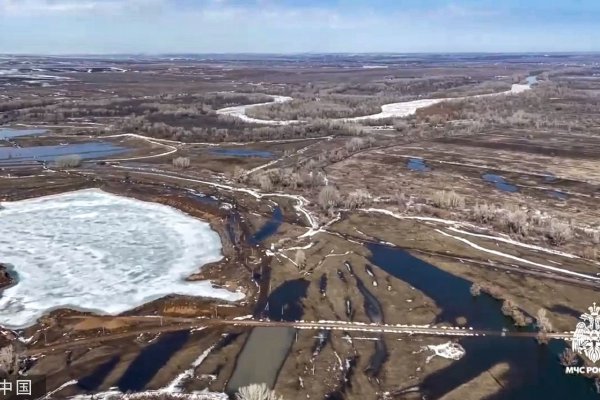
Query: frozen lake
{"points": [[91, 250]]}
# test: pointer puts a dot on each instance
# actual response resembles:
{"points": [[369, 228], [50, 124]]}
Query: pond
{"points": [[558, 195], [92, 250], [150, 360], [242, 153], [9, 133], [499, 182], [417, 164], [269, 228], [535, 372], [86, 151]]}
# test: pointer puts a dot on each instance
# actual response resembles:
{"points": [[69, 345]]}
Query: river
{"points": [[535, 372]]}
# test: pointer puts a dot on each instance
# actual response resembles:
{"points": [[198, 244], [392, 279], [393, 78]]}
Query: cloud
{"points": [[54, 7], [458, 11], [105, 26]]}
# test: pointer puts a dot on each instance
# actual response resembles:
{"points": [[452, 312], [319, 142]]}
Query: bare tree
{"points": [[300, 259], [569, 358], [265, 182], [484, 213], [451, 199], [358, 198], [256, 391], [475, 289], [354, 144], [558, 232], [510, 309], [329, 197], [544, 325], [181, 162]]}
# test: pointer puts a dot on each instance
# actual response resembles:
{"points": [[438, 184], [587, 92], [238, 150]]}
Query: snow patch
{"points": [[450, 350]]}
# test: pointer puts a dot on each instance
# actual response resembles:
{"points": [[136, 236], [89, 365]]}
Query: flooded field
{"points": [[417, 164], [10, 133], [534, 370], [87, 151], [499, 182], [242, 153]]}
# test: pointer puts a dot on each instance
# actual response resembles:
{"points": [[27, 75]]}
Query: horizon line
{"points": [[536, 52]]}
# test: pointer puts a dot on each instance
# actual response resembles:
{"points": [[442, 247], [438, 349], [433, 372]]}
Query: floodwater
{"points": [[86, 151], [9, 133], [557, 194], [535, 372], [93, 381], [549, 178], [151, 359], [142, 369], [270, 345], [500, 183], [269, 228], [417, 164], [242, 153], [374, 311]]}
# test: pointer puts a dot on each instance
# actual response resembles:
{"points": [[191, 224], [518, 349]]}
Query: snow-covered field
{"points": [[92, 250]]}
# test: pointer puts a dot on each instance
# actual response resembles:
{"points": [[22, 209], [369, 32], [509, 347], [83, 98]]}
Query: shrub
{"points": [[542, 321], [475, 289], [400, 198], [181, 162], [511, 310], [329, 197], [569, 358], [595, 237], [354, 144], [256, 392], [265, 182], [589, 252], [515, 220], [68, 161], [484, 213], [300, 259], [444, 199], [558, 232], [357, 199]]}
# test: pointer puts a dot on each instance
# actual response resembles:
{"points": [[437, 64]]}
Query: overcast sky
{"points": [[290, 26]]}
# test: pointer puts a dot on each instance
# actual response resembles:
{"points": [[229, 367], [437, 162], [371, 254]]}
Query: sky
{"points": [[295, 26]]}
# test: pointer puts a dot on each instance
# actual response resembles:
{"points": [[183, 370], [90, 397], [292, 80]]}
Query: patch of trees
{"points": [[236, 130]]}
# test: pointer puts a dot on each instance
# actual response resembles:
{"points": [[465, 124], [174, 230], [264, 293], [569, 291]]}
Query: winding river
{"points": [[392, 110]]}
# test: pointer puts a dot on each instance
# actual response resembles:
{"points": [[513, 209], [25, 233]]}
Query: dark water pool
{"points": [[9, 133], [86, 151], [285, 302], [269, 228], [93, 381], [535, 372], [266, 349], [557, 194], [417, 164], [242, 153], [549, 178], [499, 182], [151, 359]]}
